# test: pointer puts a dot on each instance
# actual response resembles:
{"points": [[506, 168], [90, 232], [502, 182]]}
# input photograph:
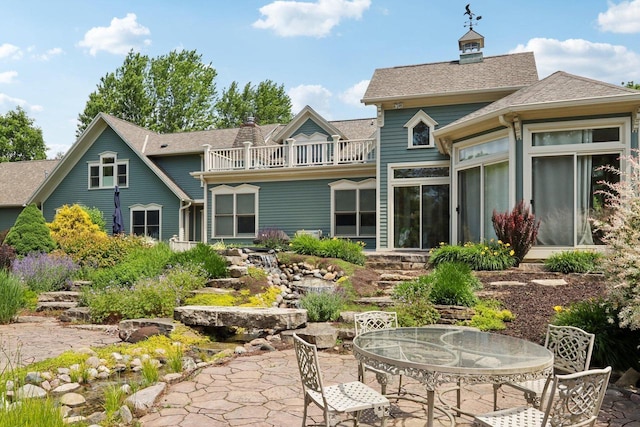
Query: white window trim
{"points": [[392, 183], [457, 165], [529, 152], [226, 190], [303, 138], [100, 166], [149, 207], [418, 117], [345, 184]]}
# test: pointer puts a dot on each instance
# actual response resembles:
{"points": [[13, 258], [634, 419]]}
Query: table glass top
{"points": [[458, 349]]}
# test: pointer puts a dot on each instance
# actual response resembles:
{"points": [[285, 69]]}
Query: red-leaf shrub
{"points": [[7, 255], [518, 228]]}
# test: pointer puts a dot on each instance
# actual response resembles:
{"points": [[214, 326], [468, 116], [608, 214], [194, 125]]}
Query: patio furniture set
{"points": [[558, 386]]}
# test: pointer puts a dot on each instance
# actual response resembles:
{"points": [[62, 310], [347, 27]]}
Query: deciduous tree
{"points": [[20, 139]]}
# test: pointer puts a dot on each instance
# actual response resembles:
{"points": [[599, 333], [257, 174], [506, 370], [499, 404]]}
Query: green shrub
{"points": [[322, 306], [96, 216], [517, 227], [205, 257], [43, 272], [149, 297], [490, 255], [343, 249], [490, 316], [30, 232], [614, 346], [140, 262], [452, 283], [574, 262], [412, 303], [11, 296], [272, 238]]}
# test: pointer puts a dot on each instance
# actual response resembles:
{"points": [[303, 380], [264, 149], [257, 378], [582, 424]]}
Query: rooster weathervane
{"points": [[472, 16]]}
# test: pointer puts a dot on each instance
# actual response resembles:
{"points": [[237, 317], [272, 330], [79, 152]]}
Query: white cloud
{"points": [[8, 76], [316, 96], [621, 18], [601, 61], [10, 51], [354, 94], [118, 38], [5, 100], [36, 108], [296, 18], [49, 54]]}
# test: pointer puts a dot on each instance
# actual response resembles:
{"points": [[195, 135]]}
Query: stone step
{"points": [[226, 283], [80, 314], [395, 276], [214, 291], [396, 265], [55, 305], [250, 318], [384, 301], [421, 257], [68, 296]]}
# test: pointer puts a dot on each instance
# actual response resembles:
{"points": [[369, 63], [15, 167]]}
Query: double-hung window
{"points": [[108, 171], [235, 211], [565, 164], [146, 220], [353, 208]]}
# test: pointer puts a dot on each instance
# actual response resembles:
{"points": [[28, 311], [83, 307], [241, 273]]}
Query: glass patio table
{"points": [[438, 355]]}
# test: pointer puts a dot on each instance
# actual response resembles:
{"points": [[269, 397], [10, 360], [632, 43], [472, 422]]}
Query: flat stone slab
{"points": [[69, 296], [549, 282], [251, 318], [144, 399], [55, 305], [507, 283]]}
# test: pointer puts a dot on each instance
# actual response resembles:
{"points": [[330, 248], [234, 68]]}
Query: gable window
{"points": [[235, 211], [146, 220], [353, 208], [420, 130], [109, 171]]}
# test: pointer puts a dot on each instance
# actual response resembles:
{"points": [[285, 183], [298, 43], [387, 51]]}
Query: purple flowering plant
{"points": [[43, 272]]}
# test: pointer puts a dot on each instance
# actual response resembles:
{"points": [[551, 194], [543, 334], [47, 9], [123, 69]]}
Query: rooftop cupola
{"points": [[471, 43]]}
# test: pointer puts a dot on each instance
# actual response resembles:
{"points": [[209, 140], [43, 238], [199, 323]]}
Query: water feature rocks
{"points": [[72, 400], [134, 330], [272, 319], [143, 400]]}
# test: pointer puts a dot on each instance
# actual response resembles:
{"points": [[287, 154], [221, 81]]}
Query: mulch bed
{"points": [[533, 304]]}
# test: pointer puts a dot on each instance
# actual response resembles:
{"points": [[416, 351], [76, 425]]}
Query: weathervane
{"points": [[472, 16]]}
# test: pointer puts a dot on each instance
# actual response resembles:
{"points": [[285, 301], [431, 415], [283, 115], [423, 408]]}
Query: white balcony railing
{"points": [[291, 154]]}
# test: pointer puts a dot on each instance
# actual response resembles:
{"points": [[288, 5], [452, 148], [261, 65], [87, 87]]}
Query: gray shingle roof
{"points": [[20, 179], [558, 87], [357, 128], [441, 78]]}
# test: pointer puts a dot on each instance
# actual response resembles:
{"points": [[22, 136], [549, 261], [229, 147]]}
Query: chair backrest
{"points": [[374, 320], [307, 355], [577, 398], [571, 348]]}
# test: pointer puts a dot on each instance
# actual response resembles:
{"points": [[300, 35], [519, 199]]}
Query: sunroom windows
{"points": [[420, 130], [109, 171], [566, 162], [235, 211], [353, 208], [482, 182]]}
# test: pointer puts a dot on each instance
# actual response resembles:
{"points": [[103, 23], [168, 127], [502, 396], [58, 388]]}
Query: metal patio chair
{"points": [[373, 321], [350, 398], [571, 348], [574, 400]]}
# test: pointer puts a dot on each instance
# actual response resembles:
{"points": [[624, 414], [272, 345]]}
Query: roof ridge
{"points": [[451, 61]]}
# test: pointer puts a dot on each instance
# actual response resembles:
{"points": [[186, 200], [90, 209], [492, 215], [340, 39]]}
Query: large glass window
{"points": [[420, 216], [354, 208], [108, 172], [146, 221], [235, 211]]}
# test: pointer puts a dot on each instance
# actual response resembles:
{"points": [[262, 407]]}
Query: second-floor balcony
{"points": [[291, 155]]}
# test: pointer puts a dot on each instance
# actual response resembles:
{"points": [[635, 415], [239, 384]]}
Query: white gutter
{"points": [[181, 220]]}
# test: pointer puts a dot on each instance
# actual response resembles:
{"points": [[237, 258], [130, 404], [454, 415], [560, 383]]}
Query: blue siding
{"points": [[309, 127], [8, 217], [293, 205], [144, 188], [178, 169], [394, 147]]}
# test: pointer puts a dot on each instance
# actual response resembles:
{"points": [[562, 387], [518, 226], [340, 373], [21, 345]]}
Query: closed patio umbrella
{"points": [[118, 226]]}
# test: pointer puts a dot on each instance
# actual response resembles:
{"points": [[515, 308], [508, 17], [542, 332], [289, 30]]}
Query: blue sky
{"points": [[53, 53]]}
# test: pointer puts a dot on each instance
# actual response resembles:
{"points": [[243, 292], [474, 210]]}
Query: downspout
{"points": [[513, 158], [205, 222], [181, 220]]}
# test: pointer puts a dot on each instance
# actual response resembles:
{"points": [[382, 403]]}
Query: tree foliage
{"points": [[631, 85], [30, 232], [177, 93], [173, 92], [20, 139], [267, 103]]}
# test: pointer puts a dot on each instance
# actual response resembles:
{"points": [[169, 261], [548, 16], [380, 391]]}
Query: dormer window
{"points": [[108, 172], [420, 130]]}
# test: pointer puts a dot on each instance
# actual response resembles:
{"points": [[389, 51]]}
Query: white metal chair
{"points": [[351, 398], [373, 321], [575, 400], [571, 348]]}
